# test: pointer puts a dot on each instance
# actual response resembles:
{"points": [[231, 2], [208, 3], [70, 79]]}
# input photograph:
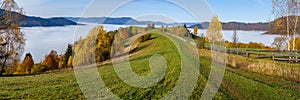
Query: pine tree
{"points": [[68, 53]]}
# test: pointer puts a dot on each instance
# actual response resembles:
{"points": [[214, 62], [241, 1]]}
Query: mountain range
{"points": [[32, 21], [204, 25], [116, 21], [237, 26]]}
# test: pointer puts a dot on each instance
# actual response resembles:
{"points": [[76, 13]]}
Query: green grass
{"points": [[46, 86], [237, 83]]}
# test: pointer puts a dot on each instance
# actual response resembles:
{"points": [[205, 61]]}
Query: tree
{"points": [[103, 45], [61, 63], [214, 31], [162, 28], [11, 34], [287, 10], [150, 26], [195, 30], [64, 59], [235, 38], [26, 66], [279, 43], [96, 47]]}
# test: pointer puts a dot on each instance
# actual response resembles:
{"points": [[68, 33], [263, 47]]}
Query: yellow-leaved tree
{"points": [[196, 30], [296, 45], [70, 64], [214, 31]]}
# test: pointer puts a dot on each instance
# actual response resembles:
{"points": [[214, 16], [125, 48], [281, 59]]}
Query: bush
{"points": [[252, 45], [38, 68], [200, 42]]}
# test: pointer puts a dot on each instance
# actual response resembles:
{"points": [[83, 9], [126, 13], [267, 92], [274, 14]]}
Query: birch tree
{"points": [[235, 38], [214, 31], [287, 12], [11, 36]]}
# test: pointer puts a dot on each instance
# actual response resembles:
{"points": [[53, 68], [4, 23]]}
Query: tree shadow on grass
{"points": [[139, 48], [152, 38], [12, 75], [149, 55]]}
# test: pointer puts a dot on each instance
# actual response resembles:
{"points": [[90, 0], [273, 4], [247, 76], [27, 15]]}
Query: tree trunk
{"points": [[3, 65], [288, 28]]}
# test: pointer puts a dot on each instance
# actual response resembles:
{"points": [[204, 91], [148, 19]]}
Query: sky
{"points": [[156, 10]]}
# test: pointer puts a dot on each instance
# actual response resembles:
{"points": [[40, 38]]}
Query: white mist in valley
{"points": [[41, 40], [245, 36]]}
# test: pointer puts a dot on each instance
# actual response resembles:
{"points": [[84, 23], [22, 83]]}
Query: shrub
{"points": [[200, 42], [144, 38], [38, 68]]}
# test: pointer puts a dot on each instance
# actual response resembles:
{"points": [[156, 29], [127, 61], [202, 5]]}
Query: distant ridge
{"points": [[32, 21], [237, 26], [116, 21]]}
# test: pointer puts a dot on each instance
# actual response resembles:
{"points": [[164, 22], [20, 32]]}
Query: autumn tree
{"points": [[103, 44], [96, 47], [196, 30], [51, 61], [214, 31], [279, 43], [61, 62], [287, 12], [11, 36], [26, 66], [63, 59]]}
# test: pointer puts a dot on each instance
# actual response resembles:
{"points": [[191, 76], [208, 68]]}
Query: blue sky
{"points": [[227, 10]]}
